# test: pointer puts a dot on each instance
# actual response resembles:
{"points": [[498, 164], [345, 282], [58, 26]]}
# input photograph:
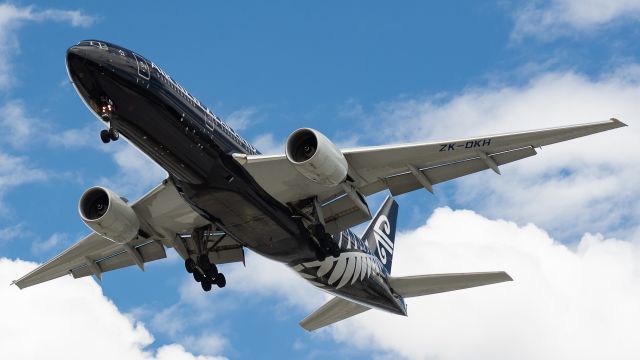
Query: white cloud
{"points": [[17, 126], [579, 185], [268, 145], [12, 17], [241, 119], [12, 232], [76, 319], [54, 241], [137, 173], [206, 343], [548, 19], [564, 303], [16, 171]]}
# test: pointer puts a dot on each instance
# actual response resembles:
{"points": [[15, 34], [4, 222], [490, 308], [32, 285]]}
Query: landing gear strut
{"points": [[105, 110], [326, 244], [204, 271]]}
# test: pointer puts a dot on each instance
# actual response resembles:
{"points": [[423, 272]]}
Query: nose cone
{"points": [[84, 53]]}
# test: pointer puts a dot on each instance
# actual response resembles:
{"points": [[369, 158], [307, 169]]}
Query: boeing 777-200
{"points": [[222, 195]]}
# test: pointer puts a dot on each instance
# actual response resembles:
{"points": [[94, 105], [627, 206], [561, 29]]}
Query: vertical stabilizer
{"points": [[381, 232]]}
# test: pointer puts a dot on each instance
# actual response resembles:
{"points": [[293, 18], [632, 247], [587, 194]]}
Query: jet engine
{"points": [[108, 215], [316, 157]]}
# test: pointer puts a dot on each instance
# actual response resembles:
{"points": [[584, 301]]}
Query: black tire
{"points": [[105, 136], [221, 281], [206, 284], [197, 276], [203, 262], [190, 265], [114, 134], [212, 272]]}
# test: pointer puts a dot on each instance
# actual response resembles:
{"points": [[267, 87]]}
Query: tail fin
{"points": [[381, 232]]}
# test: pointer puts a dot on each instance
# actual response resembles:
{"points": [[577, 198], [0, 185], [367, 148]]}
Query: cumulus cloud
{"points": [[548, 19], [260, 278], [16, 171], [54, 241], [565, 303], [12, 17], [268, 145], [137, 173], [17, 126], [76, 319], [241, 119], [579, 185]]}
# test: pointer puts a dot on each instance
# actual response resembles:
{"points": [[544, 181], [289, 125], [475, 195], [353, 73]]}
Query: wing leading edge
{"points": [[163, 215], [407, 167]]}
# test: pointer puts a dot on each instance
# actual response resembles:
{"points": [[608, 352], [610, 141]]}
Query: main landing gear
{"points": [[204, 271], [326, 245]]}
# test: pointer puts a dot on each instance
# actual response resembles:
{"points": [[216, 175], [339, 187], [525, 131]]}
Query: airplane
{"points": [[222, 195]]}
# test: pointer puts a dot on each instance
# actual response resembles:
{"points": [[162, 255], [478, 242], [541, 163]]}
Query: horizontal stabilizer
{"points": [[334, 310], [410, 286]]}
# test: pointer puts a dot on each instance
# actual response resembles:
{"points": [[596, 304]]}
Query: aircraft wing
{"points": [[163, 215], [404, 168]]}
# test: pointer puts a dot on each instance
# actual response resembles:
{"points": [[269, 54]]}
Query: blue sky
{"points": [[363, 73]]}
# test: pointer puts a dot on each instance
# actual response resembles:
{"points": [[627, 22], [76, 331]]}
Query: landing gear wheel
{"points": [[206, 284], [114, 134], [203, 262], [197, 276], [211, 272], [190, 265], [105, 136], [220, 280]]}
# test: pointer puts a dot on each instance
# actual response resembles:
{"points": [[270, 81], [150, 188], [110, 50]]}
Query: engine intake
{"points": [[316, 157], [108, 215]]}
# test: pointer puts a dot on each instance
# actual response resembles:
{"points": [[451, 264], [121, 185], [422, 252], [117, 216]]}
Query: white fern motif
{"points": [[348, 267]]}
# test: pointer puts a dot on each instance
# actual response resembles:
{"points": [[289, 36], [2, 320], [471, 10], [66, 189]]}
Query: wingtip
{"points": [[616, 121], [507, 277]]}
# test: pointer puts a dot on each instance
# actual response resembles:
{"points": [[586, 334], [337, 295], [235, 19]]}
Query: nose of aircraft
{"points": [[85, 50]]}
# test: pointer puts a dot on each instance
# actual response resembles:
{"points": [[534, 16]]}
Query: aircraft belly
{"points": [[169, 131]]}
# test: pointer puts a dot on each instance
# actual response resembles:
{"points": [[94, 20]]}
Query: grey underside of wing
{"points": [[163, 214], [389, 167], [419, 285], [78, 260], [334, 310]]}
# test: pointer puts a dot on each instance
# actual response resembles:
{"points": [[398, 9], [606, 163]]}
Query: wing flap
{"points": [[406, 182], [336, 309], [148, 251], [410, 286]]}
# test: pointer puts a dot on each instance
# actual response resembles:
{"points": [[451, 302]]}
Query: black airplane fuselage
{"points": [[195, 147]]}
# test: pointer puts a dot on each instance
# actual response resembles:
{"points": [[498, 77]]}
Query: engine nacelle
{"points": [[316, 157], [108, 215]]}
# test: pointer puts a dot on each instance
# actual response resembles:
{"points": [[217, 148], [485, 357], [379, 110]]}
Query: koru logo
{"points": [[381, 232]]}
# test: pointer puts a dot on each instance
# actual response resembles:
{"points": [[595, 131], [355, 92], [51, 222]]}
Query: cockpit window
{"points": [[97, 44]]}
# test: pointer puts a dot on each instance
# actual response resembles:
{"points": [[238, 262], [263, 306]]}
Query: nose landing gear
{"points": [[109, 135], [105, 110]]}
